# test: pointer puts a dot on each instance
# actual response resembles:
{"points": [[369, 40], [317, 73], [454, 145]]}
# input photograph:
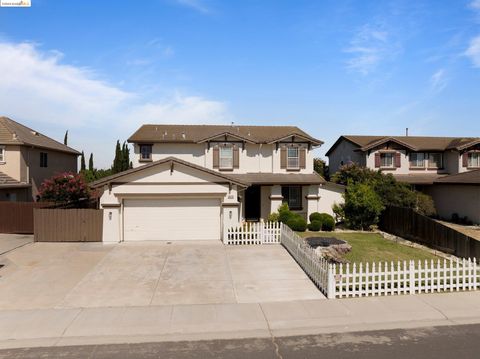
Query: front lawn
{"points": [[372, 247]]}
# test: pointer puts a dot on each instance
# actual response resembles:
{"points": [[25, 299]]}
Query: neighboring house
{"points": [[412, 159], [192, 181], [27, 158], [458, 193]]}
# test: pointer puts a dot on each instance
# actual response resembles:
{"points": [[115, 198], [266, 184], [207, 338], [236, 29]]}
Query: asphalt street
{"points": [[437, 342]]}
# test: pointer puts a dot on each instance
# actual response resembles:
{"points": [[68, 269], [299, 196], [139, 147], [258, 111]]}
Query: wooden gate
{"points": [[68, 225]]}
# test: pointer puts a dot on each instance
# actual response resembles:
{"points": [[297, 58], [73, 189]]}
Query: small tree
{"points": [[82, 162], [65, 139], [64, 188], [362, 207], [321, 167], [90, 163]]}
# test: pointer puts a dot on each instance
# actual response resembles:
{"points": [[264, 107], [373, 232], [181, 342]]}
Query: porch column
{"points": [[313, 199], [276, 198]]}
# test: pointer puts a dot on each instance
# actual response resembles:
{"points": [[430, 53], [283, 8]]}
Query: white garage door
{"points": [[171, 219]]}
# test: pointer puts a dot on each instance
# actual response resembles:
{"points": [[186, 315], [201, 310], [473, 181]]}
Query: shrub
{"points": [[284, 213], [314, 226], [328, 223], [315, 216], [425, 205], [297, 223], [64, 188], [273, 217]]}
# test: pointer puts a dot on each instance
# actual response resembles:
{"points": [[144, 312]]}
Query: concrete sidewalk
{"points": [[9, 242], [81, 326]]}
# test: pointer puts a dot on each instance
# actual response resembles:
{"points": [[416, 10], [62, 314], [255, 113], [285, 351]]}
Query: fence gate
{"points": [[68, 225]]}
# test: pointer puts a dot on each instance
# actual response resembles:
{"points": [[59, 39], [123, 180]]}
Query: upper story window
{"points": [[474, 159], [145, 152], [387, 160], [2, 154], [43, 159], [293, 160], [435, 160], [417, 159], [226, 157]]}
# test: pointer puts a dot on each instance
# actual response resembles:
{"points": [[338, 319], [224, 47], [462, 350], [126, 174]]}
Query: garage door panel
{"points": [[171, 219]]}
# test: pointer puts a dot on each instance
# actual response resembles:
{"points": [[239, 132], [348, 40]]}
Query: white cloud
{"points": [[197, 5], [36, 88], [369, 47], [473, 51], [475, 4], [438, 80]]}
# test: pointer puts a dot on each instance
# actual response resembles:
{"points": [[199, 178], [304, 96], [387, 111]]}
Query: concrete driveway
{"points": [[66, 275]]}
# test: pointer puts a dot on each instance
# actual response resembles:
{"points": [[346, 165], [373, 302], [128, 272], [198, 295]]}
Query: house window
{"points": [[386, 159], [145, 152], [293, 161], [435, 160], [417, 159], [43, 159], [2, 154], [292, 195], [474, 159], [226, 157]]}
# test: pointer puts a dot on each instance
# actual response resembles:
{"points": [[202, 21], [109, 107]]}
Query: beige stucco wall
{"points": [[329, 195], [58, 162], [461, 199], [252, 158], [160, 182], [12, 164]]}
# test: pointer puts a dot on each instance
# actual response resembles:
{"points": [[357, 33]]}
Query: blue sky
{"points": [[102, 68]]}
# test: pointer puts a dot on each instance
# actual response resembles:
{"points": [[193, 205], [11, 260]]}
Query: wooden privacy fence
{"points": [[17, 217], [253, 233], [68, 225], [406, 223]]}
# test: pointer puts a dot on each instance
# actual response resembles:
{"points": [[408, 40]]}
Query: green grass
{"points": [[372, 247]]}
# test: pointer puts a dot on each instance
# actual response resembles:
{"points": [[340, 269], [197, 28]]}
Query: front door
{"points": [[252, 203]]}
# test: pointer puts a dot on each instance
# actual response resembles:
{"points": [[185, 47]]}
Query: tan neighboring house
{"points": [[416, 160], [447, 168], [27, 158], [192, 181]]}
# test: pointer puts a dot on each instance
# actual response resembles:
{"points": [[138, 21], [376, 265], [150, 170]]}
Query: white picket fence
{"points": [[404, 277], [364, 279], [315, 267], [251, 233]]}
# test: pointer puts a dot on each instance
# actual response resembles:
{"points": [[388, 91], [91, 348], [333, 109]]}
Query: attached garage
{"points": [[171, 219], [168, 200]]}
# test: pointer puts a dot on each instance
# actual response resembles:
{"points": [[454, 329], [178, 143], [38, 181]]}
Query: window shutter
{"points": [[236, 157], [377, 160], [465, 159], [303, 158], [398, 162], [283, 157], [216, 157]]}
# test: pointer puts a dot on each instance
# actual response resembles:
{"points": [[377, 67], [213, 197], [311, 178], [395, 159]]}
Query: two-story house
{"points": [[27, 158], [444, 167], [192, 181]]}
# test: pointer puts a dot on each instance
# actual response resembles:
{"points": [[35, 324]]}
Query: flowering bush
{"points": [[64, 188]]}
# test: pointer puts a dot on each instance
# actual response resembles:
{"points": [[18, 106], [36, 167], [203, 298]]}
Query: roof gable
{"points": [[171, 162], [12, 132]]}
